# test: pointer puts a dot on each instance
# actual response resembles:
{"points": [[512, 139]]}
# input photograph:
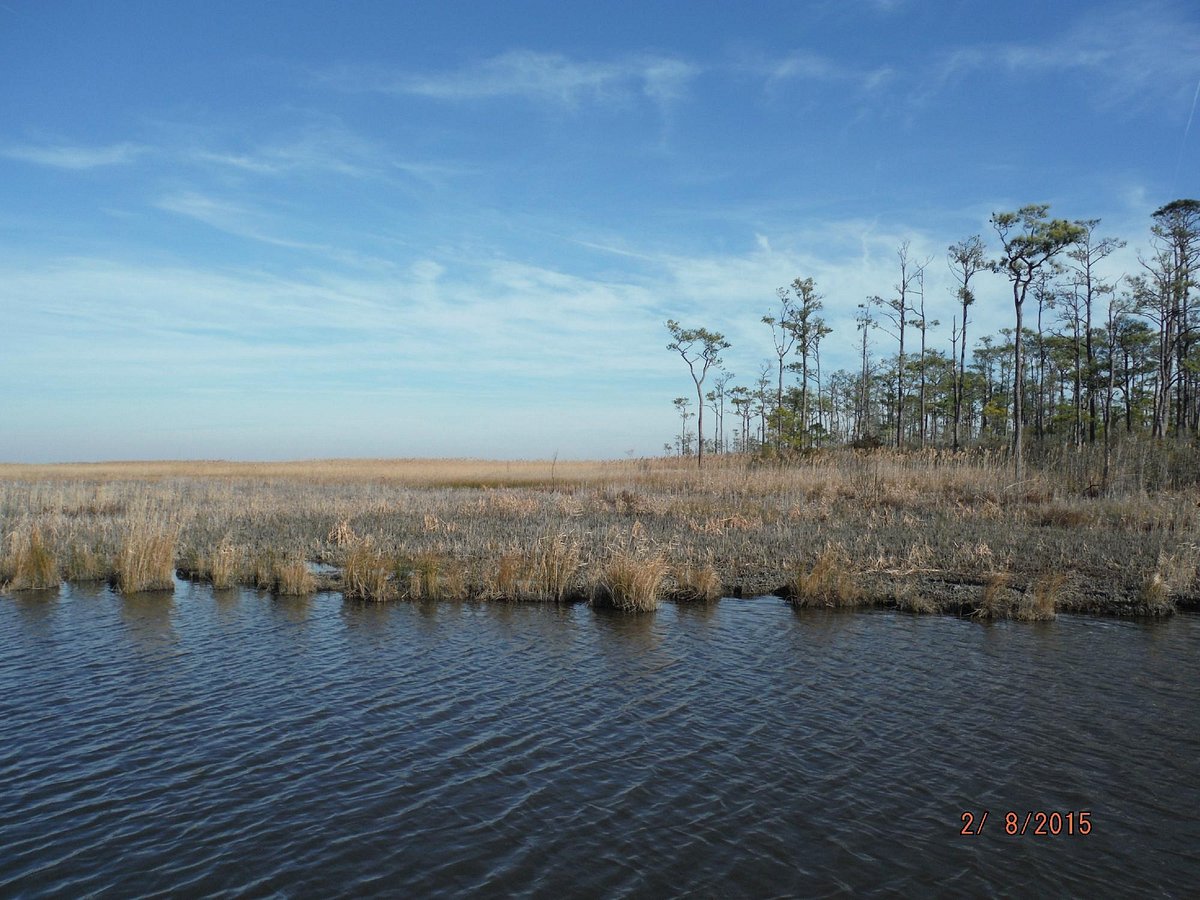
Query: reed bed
{"points": [[925, 531], [146, 560]]}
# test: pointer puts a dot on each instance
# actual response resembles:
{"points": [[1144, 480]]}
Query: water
{"points": [[239, 744]]}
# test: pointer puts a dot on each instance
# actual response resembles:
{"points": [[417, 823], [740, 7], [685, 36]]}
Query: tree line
{"points": [[1085, 359]]}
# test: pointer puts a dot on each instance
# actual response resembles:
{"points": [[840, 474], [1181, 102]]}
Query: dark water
{"points": [[237, 744]]}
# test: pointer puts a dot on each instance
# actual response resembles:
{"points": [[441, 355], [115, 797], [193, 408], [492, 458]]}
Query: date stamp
{"points": [[1037, 823]]}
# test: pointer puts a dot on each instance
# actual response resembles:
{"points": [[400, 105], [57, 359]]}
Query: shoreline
{"points": [[923, 531]]}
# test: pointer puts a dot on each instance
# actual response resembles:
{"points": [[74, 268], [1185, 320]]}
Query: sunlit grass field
{"points": [[924, 531]]}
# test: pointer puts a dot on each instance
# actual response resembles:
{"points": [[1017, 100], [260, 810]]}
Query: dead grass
{"points": [[34, 567], [829, 581], [995, 601], [222, 566], [630, 580], [146, 560], [292, 578], [366, 573], [696, 582], [430, 576], [546, 531], [1040, 601], [87, 564]]}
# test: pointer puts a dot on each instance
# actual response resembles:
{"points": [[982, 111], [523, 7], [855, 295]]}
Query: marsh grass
{"points": [[695, 582], [430, 576], [540, 531], [292, 577], [86, 564], [33, 564], [222, 566], [630, 580], [995, 601], [829, 581], [1040, 601], [366, 573], [1154, 598], [146, 560]]}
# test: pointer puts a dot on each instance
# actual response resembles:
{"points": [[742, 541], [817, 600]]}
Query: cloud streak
{"points": [[63, 156], [532, 75]]}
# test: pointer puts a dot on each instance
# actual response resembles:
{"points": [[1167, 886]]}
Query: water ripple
{"points": [[238, 744]]}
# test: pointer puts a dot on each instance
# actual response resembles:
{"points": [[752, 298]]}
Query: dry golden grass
{"points": [[34, 566], [829, 581], [146, 560], [1154, 598], [630, 580], [292, 578], [696, 582], [86, 564], [366, 573], [222, 566], [541, 530], [1040, 600], [994, 602], [430, 576]]}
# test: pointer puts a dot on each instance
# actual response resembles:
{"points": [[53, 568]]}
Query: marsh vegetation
{"points": [[925, 531]]}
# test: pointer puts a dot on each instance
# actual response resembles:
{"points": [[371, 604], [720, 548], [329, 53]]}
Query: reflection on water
{"points": [[234, 742], [148, 621]]}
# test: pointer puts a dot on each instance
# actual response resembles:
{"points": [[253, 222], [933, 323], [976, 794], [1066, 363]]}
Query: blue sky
{"points": [[302, 229]]}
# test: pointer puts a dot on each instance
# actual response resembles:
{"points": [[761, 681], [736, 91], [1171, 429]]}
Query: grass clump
{"points": [[86, 564], [1040, 600], [994, 601], [830, 582], [696, 582], [630, 580], [146, 560], [222, 566], [366, 573], [33, 564], [544, 573], [430, 576], [292, 578], [1154, 598]]}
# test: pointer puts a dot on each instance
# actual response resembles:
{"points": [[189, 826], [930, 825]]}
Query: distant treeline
{"points": [[1085, 360]]}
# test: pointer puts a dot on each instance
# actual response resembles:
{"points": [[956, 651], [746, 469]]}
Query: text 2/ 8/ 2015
{"points": [[1038, 823]]}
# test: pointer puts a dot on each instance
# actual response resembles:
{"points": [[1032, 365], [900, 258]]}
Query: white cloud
{"points": [[550, 77], [62, 156], [1131, 54]]}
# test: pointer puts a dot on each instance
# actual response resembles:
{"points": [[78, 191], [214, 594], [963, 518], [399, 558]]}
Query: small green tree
{"points": [[1030, 241], [701, 350], [965, 259]]}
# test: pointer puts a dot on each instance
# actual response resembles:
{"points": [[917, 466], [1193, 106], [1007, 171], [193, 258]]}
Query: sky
{"points": [[285, 230]]}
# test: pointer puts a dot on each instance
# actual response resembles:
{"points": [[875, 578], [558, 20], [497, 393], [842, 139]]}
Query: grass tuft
{"points": [[994, 602], [292, 578], [366, 573], [830, 582], [1040, 600], [86, 564], [146, 560], [34, 567], [630, 580], [430, 576], [696, 582]]}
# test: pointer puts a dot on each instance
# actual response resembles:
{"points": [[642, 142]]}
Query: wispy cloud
{"points": [[243, 220], [805, 65], [543, 77], [62, 156], [1130, 55]]}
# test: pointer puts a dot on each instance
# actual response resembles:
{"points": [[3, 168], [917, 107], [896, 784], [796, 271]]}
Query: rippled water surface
{"points": [[205, 744]]}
